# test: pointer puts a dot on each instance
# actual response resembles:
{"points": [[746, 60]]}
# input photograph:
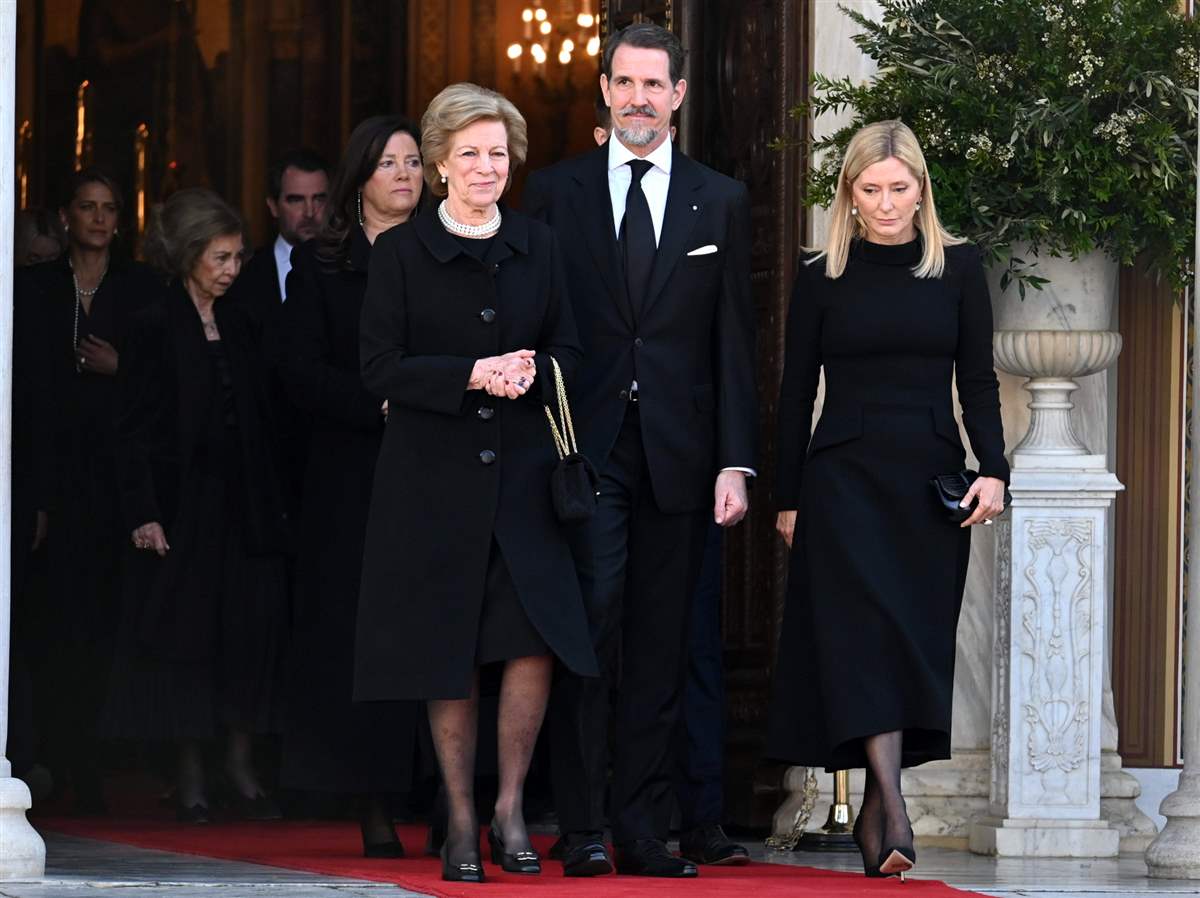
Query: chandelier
{"points": [[561, 29]]}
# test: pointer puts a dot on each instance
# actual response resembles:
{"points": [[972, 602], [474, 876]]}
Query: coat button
{"points": [[496, 268], [637, 341], [487, 456], [488, 316], [623, 395], [487, 412]]}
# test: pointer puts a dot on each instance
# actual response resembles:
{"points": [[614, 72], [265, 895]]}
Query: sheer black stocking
{"points": [[883, 756], [455, 725], [524, 692], [375, 820], [869, 826]]}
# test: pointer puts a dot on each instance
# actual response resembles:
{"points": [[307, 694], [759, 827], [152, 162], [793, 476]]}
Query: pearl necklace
{"points": [[462, 230], [80, 293]]}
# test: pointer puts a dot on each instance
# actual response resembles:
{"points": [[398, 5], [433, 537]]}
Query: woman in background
{"points": [[330, 743], [205, 617]]}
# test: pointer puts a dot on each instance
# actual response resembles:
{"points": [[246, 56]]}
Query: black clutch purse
{"points": [[574, 480], [951, 489]]}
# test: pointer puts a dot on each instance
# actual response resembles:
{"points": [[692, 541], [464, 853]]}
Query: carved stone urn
{"points": [[1050, 639]]}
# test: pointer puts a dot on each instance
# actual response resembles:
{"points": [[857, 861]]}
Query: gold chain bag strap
{"points": [[573, 481]]}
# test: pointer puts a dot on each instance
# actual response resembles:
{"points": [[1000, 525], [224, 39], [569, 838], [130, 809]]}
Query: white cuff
{"points": [[749, 472]]}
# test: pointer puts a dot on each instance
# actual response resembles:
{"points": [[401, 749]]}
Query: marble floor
{"points": [[82, 868]]}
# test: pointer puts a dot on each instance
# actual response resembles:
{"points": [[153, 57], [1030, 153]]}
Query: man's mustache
{"points": [[638, 110]]}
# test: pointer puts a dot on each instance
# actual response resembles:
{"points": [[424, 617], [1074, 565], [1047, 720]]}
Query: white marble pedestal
{"points": [[1048, 675]]}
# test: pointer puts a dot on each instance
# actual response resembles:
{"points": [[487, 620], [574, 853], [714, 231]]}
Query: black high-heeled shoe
{"points": [[896, 860], [388, 849], [869, 871], [527, 862], [465, 871]]}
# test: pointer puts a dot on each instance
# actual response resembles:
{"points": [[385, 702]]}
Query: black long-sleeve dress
{"points": [[74, 478], [877, 572], [461, 520], [203, 630], [331, 743]]}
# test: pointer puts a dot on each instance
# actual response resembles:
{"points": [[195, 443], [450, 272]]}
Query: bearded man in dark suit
{"points": [[657, 249]]}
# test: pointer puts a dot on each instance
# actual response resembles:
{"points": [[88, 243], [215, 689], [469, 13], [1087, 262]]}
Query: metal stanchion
{"points": [[837, 833]]}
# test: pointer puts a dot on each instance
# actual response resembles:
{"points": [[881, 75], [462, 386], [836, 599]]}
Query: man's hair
{"points": [[303, 159], [603, 113], [646, 36]]}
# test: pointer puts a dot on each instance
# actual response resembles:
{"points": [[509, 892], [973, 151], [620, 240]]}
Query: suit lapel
{"points": [[592, 206], [683, 211]]}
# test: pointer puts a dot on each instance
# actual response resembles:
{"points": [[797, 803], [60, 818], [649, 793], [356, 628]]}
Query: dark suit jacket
{"points": [[256, 289], [691, 347], [256, 295]]}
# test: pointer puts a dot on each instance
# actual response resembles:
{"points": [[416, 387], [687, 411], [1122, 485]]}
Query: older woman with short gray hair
{"points": [[205, 606], [465, 562]]}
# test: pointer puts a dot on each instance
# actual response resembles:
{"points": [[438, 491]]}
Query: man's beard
{"points": [[637, 136]]}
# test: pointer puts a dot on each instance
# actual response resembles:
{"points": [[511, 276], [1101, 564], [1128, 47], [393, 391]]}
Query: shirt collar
{"points": [[619, 154], [283, 249]]}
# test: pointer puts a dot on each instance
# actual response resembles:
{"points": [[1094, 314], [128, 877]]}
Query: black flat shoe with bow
{"points": [[461, 871]]}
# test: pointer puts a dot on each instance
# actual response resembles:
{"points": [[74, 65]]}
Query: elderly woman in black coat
{"points": [[465, 562], [332, 744], [206, 609]]}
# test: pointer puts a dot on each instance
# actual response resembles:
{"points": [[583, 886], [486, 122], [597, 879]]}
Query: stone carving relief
{"points": [[1054, 642]]}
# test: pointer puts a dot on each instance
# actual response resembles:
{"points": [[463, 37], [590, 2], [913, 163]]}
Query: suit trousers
{"points": [[638, 568], [700, 751]]}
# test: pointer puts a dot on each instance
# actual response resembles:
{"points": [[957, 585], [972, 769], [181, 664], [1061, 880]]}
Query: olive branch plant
{"points": [[1066, 125]]}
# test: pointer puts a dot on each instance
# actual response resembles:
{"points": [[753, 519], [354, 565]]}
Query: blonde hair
{"points": [[457, 107], [871, 144]]}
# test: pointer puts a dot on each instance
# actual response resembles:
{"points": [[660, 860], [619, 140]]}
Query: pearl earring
{"points": [[361, 221], [444, 179], [918, 205], [854, 210]]}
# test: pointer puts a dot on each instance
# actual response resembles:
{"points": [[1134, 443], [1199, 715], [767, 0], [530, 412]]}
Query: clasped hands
{"points": [[507, 376]]}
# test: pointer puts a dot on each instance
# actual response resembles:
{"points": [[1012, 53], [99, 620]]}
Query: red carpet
{"points": [[334, 849]]}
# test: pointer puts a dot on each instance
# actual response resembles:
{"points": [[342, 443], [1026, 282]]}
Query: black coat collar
{"points": [[513, 236], [360, 250]]}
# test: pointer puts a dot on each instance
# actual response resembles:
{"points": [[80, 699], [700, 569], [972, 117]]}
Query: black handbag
{"points": [[951, 489], [574, 480]]}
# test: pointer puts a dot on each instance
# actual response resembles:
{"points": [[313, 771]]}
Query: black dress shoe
{"points": [[527, 862], [650, 857], [584, 854], [197, 813], [260, 807], [461, 871], [710, 845]]}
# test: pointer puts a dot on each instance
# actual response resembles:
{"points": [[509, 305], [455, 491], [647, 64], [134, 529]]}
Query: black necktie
{"points": [[637, 236]]}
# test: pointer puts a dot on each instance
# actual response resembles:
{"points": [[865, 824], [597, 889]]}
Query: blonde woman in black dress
{"points": [[894, 309]]}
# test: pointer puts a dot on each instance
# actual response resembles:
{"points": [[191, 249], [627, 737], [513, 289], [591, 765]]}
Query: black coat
{"points": [[877, 572], [459, 468], [169, 397], [74, 417], [331, 743], [691, 348]]}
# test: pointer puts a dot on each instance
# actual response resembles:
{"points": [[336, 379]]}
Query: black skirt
{"points": [[505, 631], [874, 592]]}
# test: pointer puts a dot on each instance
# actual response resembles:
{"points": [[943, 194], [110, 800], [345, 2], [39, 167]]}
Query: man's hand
{"points": [[732, 503], [151, 536]]}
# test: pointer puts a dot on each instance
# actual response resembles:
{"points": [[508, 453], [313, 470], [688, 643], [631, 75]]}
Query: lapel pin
{"points": [[695, 208]]}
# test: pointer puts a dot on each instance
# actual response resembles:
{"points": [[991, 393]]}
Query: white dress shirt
{"points": [[283, 264], [655, 184]]}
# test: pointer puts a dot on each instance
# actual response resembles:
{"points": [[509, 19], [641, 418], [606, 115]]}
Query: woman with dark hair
{"points": [[205, 615], [74, 314], [331, 744]]}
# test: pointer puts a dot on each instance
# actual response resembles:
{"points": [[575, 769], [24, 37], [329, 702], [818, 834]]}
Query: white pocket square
{"points": [[704, 250]]}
